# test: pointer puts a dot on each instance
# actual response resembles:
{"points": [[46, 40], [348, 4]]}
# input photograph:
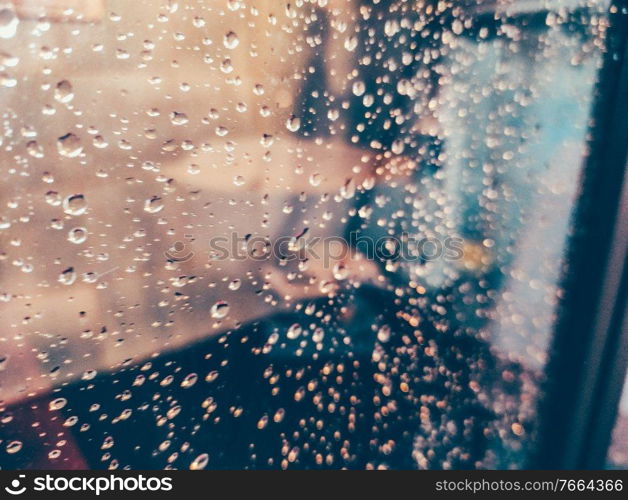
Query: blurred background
{"points": [[137, 135]]}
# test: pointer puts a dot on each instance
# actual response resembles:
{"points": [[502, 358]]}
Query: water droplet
{"points": [[7, 80], [391, 27], [326, 286], [178, 118], [70, 421], [57, 404], [220, 309], [173, 412], [226, 66], [8, 21], [358, 88], [457, 27], [267, 140], [398, 146], [69, 145], [279, 415], [14, 447], [262, 422], [341, 272], [153, 205], [383, 334], [351, 43], [53, 198], [107, 443], [189, 380], [293, 123], [200, 462], [77, 235], [68, 276], [8, 60], [64, 92], [75, 204], [315, 179], [294, 331], [231, 40]]}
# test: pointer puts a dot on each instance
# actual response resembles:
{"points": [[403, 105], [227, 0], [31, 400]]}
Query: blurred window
{"points": [[269, 234]]}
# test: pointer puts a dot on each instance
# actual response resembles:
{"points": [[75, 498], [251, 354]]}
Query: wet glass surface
{"points": [[268, 234]]}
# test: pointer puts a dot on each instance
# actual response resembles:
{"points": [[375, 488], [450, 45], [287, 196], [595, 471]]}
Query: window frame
{"points": [[589, 351], [588, 354]]}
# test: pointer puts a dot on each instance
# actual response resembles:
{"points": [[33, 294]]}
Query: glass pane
{"points": [[268, 234]]}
